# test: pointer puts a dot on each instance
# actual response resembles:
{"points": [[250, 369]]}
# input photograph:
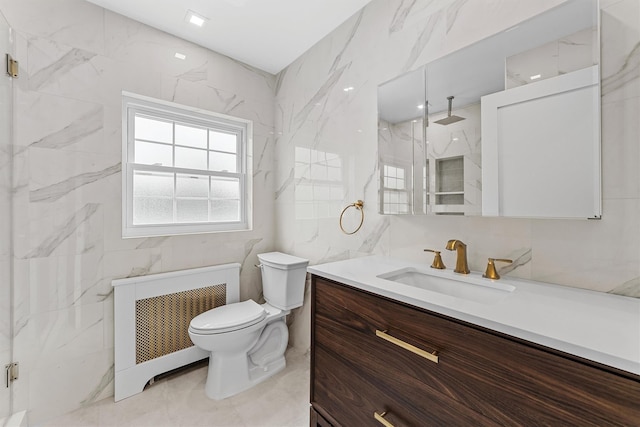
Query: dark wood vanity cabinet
{"points": [[371, 364]]}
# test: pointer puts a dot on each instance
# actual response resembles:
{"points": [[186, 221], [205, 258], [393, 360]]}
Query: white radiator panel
{"points": [[177, 287]]}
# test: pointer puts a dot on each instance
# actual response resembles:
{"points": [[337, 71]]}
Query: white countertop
{"points": [[597, 326]]}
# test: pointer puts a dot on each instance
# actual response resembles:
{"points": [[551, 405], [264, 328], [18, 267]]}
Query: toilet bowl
{"points": [[247, 340]]}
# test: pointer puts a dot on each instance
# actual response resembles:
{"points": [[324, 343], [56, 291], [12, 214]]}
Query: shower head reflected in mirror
{"points": [[450, 118]]}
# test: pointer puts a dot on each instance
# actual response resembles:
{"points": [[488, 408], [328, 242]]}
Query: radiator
{"points": [[151, 320]]}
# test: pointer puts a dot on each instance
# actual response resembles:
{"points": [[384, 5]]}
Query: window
{"points": [[395, 194], [185, 170]]}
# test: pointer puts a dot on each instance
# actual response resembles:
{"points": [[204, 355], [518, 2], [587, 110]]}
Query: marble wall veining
{"points": [[75, 59], [390, 37], [315, 151]]}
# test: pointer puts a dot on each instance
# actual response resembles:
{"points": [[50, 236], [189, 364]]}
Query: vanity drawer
{"points": [[353, 394], [503, 379]]}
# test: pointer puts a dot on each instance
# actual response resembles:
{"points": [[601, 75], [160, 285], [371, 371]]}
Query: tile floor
{"points": [[280, 401]]}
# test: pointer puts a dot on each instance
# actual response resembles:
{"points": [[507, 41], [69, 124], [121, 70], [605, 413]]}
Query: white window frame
{"points": [[132, 104]]}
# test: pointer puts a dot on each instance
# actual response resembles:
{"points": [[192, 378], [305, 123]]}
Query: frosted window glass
{"points": [[153, 130], [192, 210], [152, 184], [223, 141], [147, 153], [192, 186], [222, 188], [152, 210], [191, 136], [225, 210], [191, 158], [222, 162]]}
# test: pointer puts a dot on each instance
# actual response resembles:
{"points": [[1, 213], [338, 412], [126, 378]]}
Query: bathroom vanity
{"points": [[392, 354]]}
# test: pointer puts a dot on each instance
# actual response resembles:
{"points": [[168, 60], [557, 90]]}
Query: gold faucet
{"points": [[437, 260], [461, 260], [491, 272]]}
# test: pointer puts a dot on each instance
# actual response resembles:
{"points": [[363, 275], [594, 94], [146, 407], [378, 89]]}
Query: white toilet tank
{"points": [[283, 278]]}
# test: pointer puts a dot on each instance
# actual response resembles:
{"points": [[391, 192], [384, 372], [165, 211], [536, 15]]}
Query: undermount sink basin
{"points": [[463, 287]]}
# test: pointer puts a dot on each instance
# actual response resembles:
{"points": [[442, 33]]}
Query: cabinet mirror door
{"points": [[508, 126]]}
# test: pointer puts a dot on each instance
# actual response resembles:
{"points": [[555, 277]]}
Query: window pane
{"points": [[148, 210], [152, 184], [223, 141], [191, 158], [191, 136], [225, 188], [225, 210], [222, 162], [192, 210], [147, 153], [192, 186], [153, 130]]}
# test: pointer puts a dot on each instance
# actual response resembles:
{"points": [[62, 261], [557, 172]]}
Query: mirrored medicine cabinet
{"points": [[508, 126]]}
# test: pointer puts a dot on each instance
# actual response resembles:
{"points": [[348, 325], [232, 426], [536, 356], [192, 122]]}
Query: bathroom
{"points": [[76, 58]]}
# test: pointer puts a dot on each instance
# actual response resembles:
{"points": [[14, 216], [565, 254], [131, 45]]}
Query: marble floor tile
{"points": [[179, 400]]}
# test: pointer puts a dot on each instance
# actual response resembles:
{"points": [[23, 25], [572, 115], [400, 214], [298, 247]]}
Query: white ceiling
{"points": [[267, 34]]}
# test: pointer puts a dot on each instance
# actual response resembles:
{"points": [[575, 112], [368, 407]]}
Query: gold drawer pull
{"points": [[381, 420], [412, 348]]}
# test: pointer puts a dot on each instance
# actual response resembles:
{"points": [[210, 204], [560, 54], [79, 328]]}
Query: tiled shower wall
{"points": [[390, 37], [75, 58]]}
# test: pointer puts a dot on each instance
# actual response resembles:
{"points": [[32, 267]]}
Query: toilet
{"points": [[247, 340]]}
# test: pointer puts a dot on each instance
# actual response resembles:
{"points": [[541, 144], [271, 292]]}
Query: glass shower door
{"points": [[6, 105]]}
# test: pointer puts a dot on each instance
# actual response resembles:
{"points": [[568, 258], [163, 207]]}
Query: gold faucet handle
{"points": [[437, 260], [490, 272]]}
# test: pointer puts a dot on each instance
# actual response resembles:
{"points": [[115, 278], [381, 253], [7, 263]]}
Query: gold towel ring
{"points": [[359, 206]]}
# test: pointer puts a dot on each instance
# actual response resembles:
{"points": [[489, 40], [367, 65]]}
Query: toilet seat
{"points": [[228, 318]]}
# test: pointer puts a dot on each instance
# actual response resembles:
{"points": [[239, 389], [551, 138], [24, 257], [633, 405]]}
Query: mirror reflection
{"points": [[490, 129]]}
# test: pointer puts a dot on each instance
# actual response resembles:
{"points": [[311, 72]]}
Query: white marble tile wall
{"points": [[390, 37], [75, 59]]}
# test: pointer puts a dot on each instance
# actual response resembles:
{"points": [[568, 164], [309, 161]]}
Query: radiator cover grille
{"points": [[162, 322]]}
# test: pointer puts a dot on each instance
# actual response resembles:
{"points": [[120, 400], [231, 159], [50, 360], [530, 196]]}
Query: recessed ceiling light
{"points": [[536, 77], [180, 55], [421, 106], [348, 89], [195, 19]]}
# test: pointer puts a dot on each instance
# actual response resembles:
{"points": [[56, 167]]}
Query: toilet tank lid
{"points": [[282, 261]]}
